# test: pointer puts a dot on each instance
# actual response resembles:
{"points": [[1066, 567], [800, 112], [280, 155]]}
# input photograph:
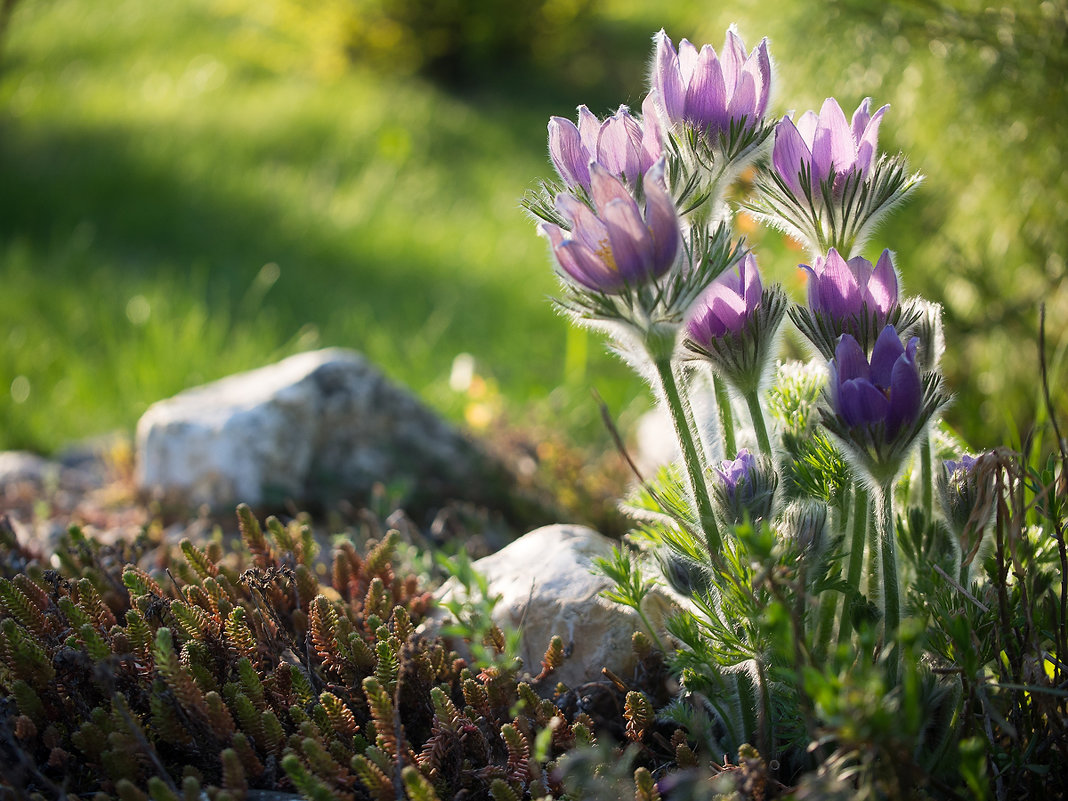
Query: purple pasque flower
{"points": [[746, 488], [828, 146], [734, 323], [622, 144], [840, 289], [710, 91], [727, 304], [615, 247], [737, 470], [884, 396]]}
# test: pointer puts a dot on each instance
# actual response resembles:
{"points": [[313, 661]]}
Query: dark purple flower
{"points": [[725, 307], [886, 392], [831, 147], [623, 145], [708, 91], [840, 289], [616, 247]]}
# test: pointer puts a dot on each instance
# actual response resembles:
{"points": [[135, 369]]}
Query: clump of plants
{"points": [[138, 671], [872, 611]]}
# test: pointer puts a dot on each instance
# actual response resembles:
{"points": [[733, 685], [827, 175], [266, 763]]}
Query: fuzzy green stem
{"points": [[651, 630], [926, 477], [829, 601], [891, 590], [856, 557], [726, 417], [690, 458], [747, 700], [753, 400]]}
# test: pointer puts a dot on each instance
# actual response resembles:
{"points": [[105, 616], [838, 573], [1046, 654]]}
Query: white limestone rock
{"points": [[547, 586], [316, 426]]}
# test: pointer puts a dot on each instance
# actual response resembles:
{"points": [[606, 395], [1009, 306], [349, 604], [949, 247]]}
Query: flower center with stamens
{"points": [[604, 253]]}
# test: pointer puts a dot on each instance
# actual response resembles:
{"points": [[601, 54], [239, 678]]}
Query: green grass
{"points": [[173, 209]]}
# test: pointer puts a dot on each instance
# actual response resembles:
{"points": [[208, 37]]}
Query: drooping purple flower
{"points": [[710, 91], [622, 144], [886, 392], [841, 290], [727, 304], [616, 247], [831, 147]]}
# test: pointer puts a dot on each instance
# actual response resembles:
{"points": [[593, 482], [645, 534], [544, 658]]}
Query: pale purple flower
{"points": [[616, 247], [727, 304], [710, 91], [959, 469], [840, 289], [886, 392], [831, 147], [737, 470], [746, 488], [622, 144]]}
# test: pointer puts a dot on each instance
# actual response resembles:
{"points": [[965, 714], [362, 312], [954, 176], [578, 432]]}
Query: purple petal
{"points": [[587, 267], [568, 155], [860, 402], [763, 61], [849, 360], [629, 239], [869, 141], [605, 187], [906, 392], [661, 219], [706, 95], [789, 153], [837, 291], [888, 349], [732, 56], [833, 148], [589, 129], [667, 78], [882, 286], [751, 285], [618, 143], [743, 101], [585, 226], [688, 59], [651, 146], [860, 119], [806, 126]]}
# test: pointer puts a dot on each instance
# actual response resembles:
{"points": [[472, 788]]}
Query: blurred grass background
{"points": [[196, 188]]}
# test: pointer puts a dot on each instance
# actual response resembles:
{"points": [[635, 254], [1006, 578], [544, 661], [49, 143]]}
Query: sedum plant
{"points": [[833, 626]]}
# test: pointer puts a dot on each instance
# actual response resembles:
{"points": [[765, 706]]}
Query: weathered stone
{"points": [[547, 586], [24, 466], [314, 427]]}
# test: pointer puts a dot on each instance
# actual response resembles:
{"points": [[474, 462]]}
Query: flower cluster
{"points": [[641, 232]]}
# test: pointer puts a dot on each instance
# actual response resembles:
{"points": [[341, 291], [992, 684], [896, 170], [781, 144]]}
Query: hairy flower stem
{"points": [[726, 417], [829, 600], [747, 701], [926, 477], [891, 589], [856, 557], [694, 470], [753, 400]]}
